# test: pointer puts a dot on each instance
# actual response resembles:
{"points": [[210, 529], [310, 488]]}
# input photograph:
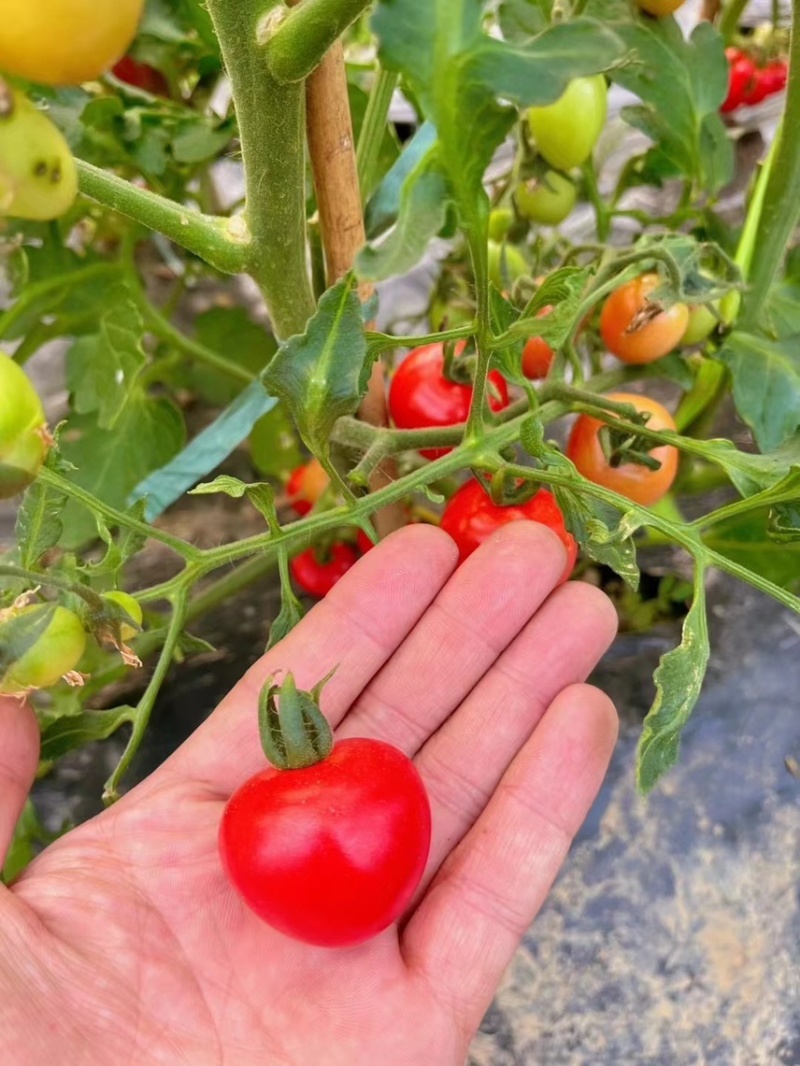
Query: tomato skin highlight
{"points": [[65, 42], [471, 517], [330, 854], [305, 486], [632, 480], [421, 396], [639, 344], [566, 131], [318, 576]]}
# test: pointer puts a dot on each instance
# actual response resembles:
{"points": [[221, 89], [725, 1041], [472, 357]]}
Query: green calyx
{"points": [[294, 731]]}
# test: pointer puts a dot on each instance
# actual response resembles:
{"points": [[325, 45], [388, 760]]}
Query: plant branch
{"points": [[295, 42], [221, 242]]}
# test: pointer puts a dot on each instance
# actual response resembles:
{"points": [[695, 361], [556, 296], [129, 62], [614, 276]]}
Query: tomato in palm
{"points": [[471, 517], [330, 854], [420, 395], [741, 74], [548, 200], [316, 573], [38, 177], [637, 330], [567, 130], [38, 645], [305, 485], [659, 8], [141, 76], [24, 440], [65, 42], [537, 355], [636, 482]]}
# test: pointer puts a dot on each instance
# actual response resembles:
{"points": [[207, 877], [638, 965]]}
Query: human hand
{"points": [[123, 942]]}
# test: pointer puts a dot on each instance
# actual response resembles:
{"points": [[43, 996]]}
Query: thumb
{"points": [[19, 758]]}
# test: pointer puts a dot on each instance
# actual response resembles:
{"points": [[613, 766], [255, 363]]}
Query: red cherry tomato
{"points": [[741, 74], [471, 517], [636, 482], [305, 486], [757, 90], [331, 854], [537, 355], [420, 395], [774, 77], [317, 576], [634, 329], [141, 76]]}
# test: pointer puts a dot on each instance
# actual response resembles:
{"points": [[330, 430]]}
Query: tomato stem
{"points": [[294, 42], [294, 731]]}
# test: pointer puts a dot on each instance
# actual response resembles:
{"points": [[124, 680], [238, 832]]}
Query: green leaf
{"points": [[39, 526], [231, 332], [383, 208], [74, 730], [259, 494], [323, 374], [102, 368], [290, 614], [747, 541], [678, 679], [110, 464], [766, 385]]}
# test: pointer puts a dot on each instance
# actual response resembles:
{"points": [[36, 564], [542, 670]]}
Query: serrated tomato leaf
{"points": [[766, 384]]}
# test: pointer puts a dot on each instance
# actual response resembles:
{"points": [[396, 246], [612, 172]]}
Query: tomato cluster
{"points": [[749, 83]]}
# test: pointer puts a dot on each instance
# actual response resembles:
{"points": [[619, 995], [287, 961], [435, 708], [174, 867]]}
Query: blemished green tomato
{"points": [[567, 131], [702, 323], [23, 435], [38, 177], [506, 264], [501, 220], [131, 606], [659, 7], [65, 42], [548, 200], [54, 641]]}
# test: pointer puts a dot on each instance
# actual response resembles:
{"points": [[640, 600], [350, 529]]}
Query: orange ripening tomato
{"points": [[305, 486], [659, 8], [537, 355], [636, 482], [636, 330]]}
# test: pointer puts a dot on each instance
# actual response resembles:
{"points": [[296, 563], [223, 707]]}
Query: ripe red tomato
{"points": [[305, 486], [636, 482], [333, 853], [316, 575], [741, 74], [420, 395], [774, 77], [637, 331], [141, 76], [537, 355], [471, 517]]}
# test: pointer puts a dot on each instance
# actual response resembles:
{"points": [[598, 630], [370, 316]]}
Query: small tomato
{"points": [[637, 330], [38, 645], [317, 574]]}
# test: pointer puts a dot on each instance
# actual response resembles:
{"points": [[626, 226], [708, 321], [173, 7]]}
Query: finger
{"points": [[357, 627], [489, 599], [19, 758], [462, 764], [469, 924]]}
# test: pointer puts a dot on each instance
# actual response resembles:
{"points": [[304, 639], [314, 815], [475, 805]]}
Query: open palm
{"points": [[123, 942]]}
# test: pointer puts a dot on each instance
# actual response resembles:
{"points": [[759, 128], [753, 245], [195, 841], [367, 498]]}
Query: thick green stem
{"points": [[782, 193], [221, 242], [295, 42], [373, 131], [730, 19], [271, 132]]}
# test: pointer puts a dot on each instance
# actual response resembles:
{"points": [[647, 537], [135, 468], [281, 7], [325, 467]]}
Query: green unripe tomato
{"points": [[702, 323], [567, 131], [501, 220], [131, 606], [506, 264], [38, 177], [38, 646], [548, 200], [23, 435]]}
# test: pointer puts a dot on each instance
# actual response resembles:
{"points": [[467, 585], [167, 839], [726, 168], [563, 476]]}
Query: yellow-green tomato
{"points": [[702, 323], [23, 434], [65, 42], [131, 607], [547, 200], [567, 131], [501, 220], [506, 264], [38, 646], [38, 177]]}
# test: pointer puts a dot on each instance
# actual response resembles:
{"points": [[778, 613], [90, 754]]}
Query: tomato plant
{"points": [[471, 517], [38, 645], [317, 572], [566, 131], [421, 395], [65, 42], [638, 330], [635, 481], [547, 200]]}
